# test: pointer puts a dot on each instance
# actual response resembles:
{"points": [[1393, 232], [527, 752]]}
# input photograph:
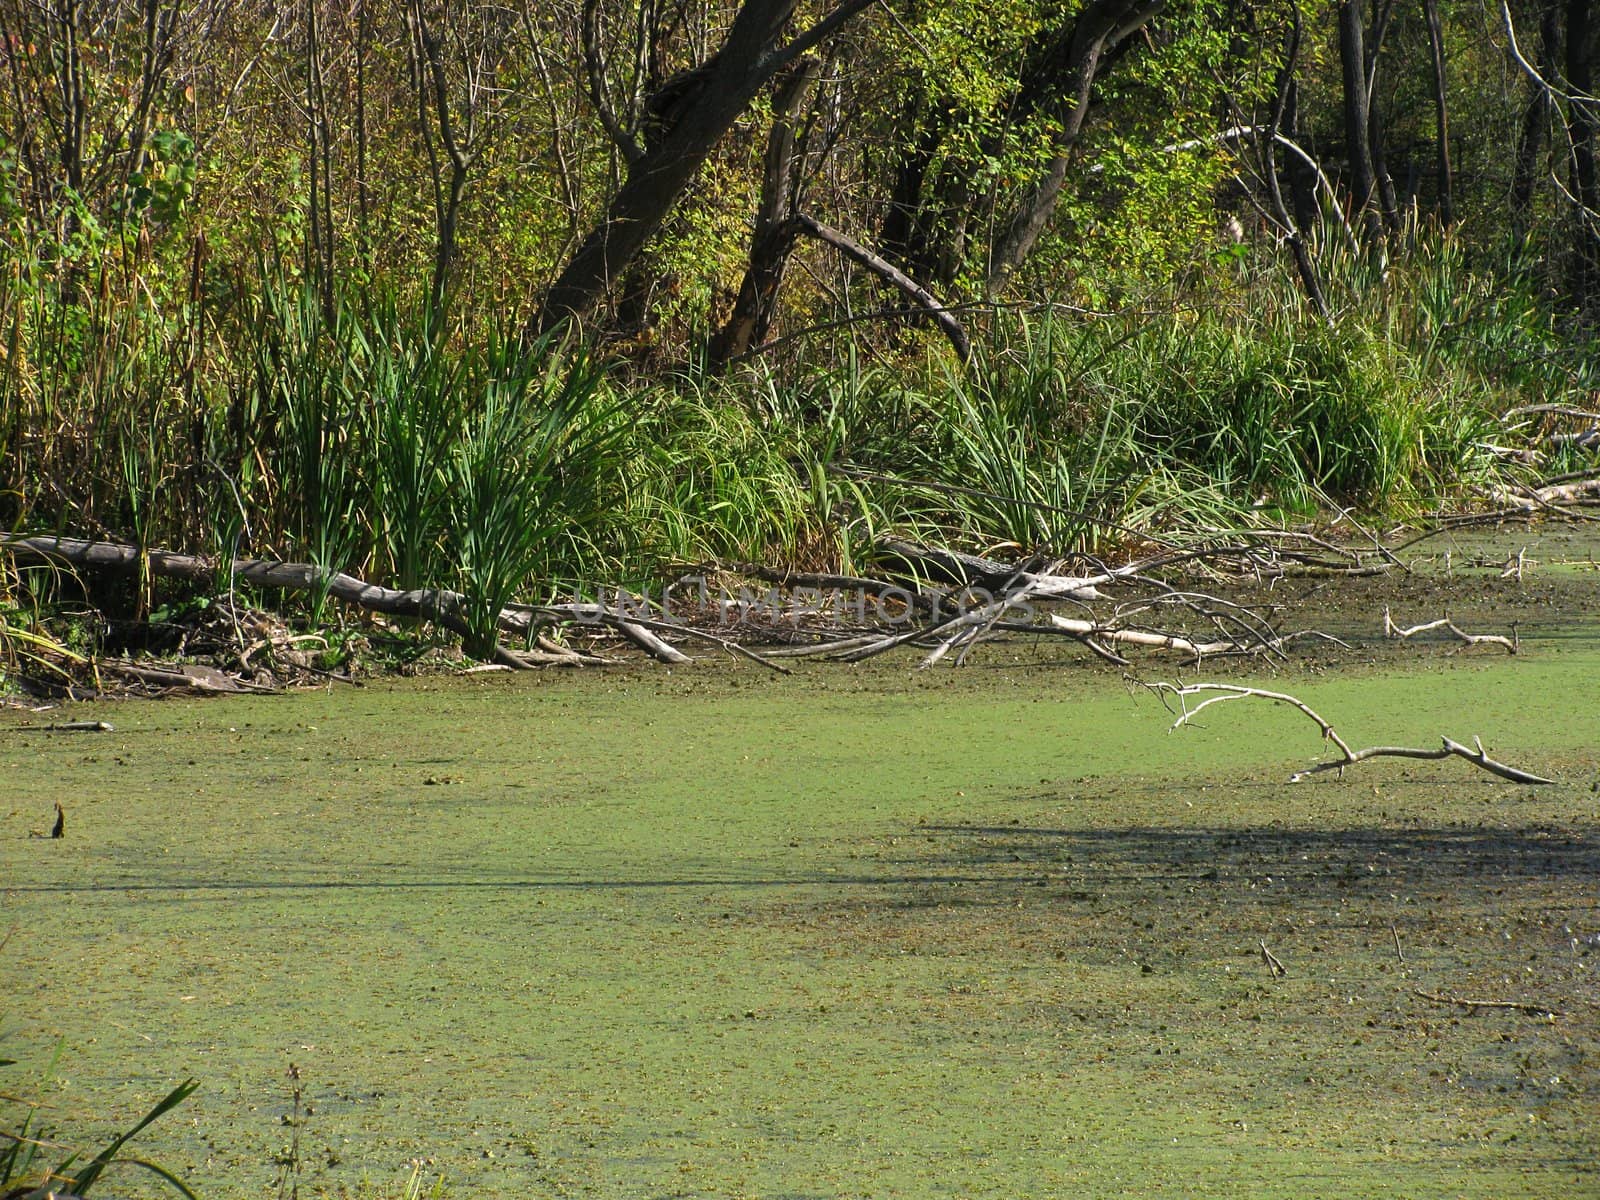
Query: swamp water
{"points": [[859, 932]]}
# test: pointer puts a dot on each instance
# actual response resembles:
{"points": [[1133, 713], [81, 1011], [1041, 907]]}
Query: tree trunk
{"points": [[903, 234], [1535, 120], [1441, 111], [724, 87], [1307, 209], [319, 146], [1583, 47], [1357, 123], [1388, 203], [774, 236]]}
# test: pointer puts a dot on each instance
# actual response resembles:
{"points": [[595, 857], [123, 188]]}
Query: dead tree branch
{"points": [[892, 275], [1216, 693], [1394, 632]]}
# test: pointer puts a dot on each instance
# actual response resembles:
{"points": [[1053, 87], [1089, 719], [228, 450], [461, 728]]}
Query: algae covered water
{"points": [[859, 932]]}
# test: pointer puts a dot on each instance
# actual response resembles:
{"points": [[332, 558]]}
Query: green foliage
{"points": [[160, 384], [162, 189]]}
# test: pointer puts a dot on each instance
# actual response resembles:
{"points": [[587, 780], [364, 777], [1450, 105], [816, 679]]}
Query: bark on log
{"points": [[969, 570], [427, 604]]}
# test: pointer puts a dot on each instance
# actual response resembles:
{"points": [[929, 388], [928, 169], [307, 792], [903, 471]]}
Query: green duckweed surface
{"points": [[862, 932]]}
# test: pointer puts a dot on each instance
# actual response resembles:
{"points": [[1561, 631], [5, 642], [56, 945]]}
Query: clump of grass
{"points": [[416, 402], [306, 359], [25, 1173], [530, 474], [717, 474], [1050, 467]]}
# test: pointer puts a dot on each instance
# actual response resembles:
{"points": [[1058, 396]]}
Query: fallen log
{"points": [[990, 598], [189, 677], [439, 605], [432, 604], [1557, 496], [984, 574]]}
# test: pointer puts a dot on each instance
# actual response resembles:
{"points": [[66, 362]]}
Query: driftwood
{"points": [[1101, 634], [1556, 497], [1552, 410], [206, 681], [1537, 1010], [984, 574], [428, 604], [1391, 630], [1215, 693], [1239, 631], [1515, 421]]}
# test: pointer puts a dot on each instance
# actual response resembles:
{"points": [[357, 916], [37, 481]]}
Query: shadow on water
{"points": [[1386, 859], [1422, 852], [1273, 866], [184, 887]]}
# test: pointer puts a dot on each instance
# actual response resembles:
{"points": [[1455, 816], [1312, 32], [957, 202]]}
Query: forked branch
{"points": [[1215, 693], [1391, 630]]}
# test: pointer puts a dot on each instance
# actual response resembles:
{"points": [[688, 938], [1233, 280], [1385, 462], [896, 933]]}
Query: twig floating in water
{"points": [[1391, 630], [1538, 1010]]}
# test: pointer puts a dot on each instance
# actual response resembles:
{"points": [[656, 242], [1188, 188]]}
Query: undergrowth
{"points": [[358, 433]]}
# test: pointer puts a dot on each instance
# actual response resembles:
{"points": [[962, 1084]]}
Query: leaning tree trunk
{"points": [[723, 88], [1100, 27], [1283, 109], [876, 264]]}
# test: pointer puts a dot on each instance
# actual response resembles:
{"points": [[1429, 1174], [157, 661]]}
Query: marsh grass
{"points": [[306, 357], [718, 473], [359, 431], [415, 409], [530, 475]]}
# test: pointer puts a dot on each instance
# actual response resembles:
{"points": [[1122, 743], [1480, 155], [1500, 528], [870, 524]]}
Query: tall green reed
{"points": [[531, 477], [306, 359], [416, 390]]}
